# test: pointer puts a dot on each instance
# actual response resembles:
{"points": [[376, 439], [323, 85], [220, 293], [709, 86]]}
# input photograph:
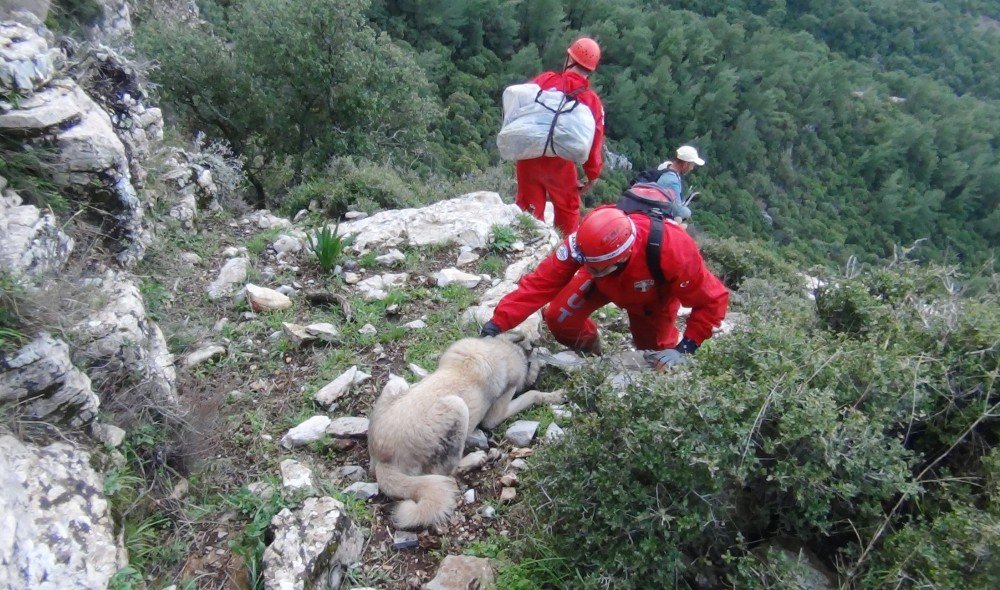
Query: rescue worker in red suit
{"points": [[556, 177], [603, 262]]}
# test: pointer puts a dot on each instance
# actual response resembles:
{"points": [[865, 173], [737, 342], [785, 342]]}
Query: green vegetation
{"points": [[290, 84], [502, 238], [857, 427], [11, 325], [73, 16], [328, 246], [832, 129], [28, 170]]}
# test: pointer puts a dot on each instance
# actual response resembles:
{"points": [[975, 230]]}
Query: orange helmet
{"points": [[605, 236], [585, 52]]}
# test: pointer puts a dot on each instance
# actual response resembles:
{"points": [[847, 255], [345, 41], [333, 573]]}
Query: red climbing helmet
{"points": [[605, 236], [585, 52]]}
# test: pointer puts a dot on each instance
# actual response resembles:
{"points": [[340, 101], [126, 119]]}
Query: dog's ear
{"points": [[518, 339], [512, 336]]}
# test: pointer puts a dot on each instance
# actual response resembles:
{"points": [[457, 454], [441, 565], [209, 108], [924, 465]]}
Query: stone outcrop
{"points": [[56, 530], [31, 241], [41, 379], [26, 60], [89, 158], [119, 346], [465, 221], [313, 546]]}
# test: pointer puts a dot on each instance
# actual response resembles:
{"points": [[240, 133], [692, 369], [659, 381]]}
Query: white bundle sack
{"points": [[528, 130]]}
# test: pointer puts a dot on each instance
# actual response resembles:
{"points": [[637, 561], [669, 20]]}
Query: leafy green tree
{"points": [[292, 83]]}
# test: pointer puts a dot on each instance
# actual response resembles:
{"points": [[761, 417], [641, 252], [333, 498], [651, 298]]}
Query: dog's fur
{"points": [[416, 437]]}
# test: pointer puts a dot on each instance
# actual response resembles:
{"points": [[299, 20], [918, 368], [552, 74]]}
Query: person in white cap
{"points": [[669, 176], [673, 171]]}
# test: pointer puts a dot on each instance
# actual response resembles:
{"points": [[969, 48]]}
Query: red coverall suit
{"points": [[573, 294], [556, 176]]}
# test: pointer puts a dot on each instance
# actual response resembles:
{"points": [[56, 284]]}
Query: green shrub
{"points": [[355, 184], [72, 16], [734, 260], [856, 446]]}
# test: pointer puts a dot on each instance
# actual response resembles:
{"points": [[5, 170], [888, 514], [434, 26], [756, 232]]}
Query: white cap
{"points": [[687, 153]]}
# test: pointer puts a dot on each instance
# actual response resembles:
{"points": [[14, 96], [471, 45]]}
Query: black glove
{"points": [[490, 329], [687, 346]]}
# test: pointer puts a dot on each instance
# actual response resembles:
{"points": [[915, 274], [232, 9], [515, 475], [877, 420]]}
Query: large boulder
{"points": [[42, 380], [56, 530], [465, 221]]}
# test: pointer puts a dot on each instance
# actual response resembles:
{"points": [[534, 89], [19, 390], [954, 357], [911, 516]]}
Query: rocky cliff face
{"points": [[84, 110]]}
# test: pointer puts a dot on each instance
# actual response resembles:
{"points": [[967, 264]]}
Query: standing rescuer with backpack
{"points": [[607, 261], [553, 176]]}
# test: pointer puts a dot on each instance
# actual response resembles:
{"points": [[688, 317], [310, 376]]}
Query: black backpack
{"points": [[653, 201], [647, 176]]}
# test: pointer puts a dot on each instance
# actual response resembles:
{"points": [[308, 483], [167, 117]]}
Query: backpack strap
{"points": [[567, 98], [653, 247]]}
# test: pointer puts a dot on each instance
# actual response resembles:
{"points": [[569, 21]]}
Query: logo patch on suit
{"points": [[644, 285], [562, 253]]}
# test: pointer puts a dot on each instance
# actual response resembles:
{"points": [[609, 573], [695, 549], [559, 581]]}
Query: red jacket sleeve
{"points": [[692, 283], [536, 288]]}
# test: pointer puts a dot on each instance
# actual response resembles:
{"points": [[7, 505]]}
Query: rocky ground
{"points": [[261, 383]]}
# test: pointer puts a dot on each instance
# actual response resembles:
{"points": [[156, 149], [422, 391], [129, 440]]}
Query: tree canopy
{"points": [[831, 129]]}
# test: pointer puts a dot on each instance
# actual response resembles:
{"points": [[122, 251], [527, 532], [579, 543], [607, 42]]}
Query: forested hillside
{"points": [[831, 128]]}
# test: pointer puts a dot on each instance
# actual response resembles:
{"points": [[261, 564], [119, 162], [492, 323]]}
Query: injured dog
{"points": [[417, 436]]}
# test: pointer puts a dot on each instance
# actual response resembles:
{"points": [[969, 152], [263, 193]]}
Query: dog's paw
{"points": [[554, 397]]}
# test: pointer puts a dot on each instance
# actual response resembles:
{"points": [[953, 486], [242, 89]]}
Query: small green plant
{"points": [[127, 578], [328, 246], [492, 265], [259, 242], [503, 238]]}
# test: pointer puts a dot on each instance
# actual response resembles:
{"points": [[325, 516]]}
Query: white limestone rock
{"points": [[334, 390], [56, 527], [348, 427], [232, 274], [295, 476], [462, 571], [25, 60], [448, 276], [466, 220], [31, 242], [313, 546], [203, 355], [263, 299], [521, 432], [309, 431]]}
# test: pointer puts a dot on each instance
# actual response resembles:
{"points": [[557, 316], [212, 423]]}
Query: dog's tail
{"points": [[427, 499]]}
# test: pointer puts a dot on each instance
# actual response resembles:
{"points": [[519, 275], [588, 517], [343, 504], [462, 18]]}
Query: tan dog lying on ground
{"points": [[416, 437]]}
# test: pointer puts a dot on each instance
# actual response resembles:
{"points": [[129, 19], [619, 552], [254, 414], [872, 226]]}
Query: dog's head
{"points": [[504, 357]]}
